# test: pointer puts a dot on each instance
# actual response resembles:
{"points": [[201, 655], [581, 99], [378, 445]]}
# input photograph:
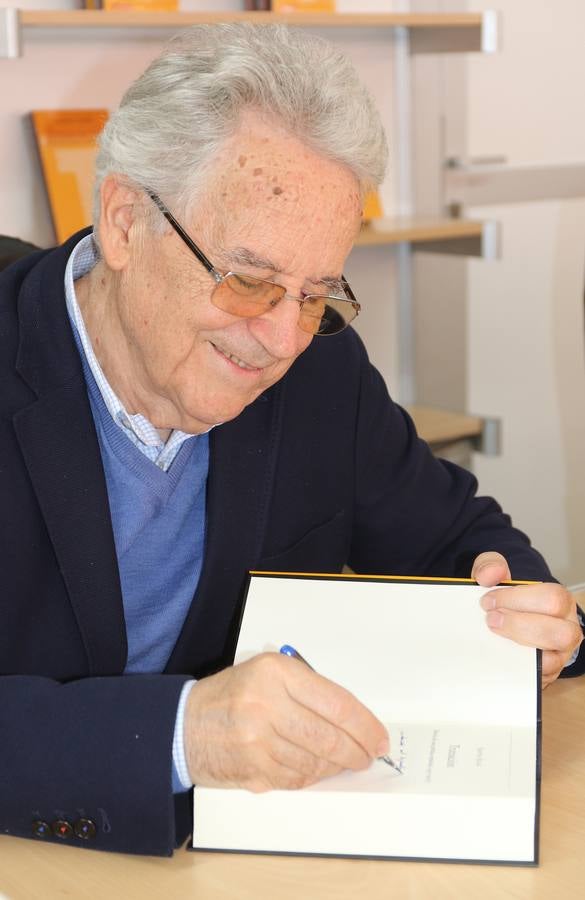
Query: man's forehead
{"points": [[279, 207], [263, 161]]}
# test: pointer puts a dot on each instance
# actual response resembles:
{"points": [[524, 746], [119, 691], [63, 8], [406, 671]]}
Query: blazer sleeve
{"points": [[96, 749], [415, 513]]}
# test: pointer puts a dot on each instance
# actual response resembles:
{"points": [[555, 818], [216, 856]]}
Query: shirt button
{"points": [[62, 829], [85, 829], [41, 829]]}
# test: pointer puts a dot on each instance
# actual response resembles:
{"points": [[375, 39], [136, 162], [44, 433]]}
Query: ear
{"points": [[119, 204]]}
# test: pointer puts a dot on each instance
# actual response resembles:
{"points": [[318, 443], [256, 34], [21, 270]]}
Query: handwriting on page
{"points": [[444, 758], [454, 758]]}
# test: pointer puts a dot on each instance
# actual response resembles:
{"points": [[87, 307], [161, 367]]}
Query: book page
{"points": [[424, 652], [446, 758]]}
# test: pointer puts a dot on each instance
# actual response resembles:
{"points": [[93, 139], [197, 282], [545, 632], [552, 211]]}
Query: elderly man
{"points": [[182, 401]]}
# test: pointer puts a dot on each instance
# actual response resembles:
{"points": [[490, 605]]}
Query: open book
{"points": [[462, 707]]}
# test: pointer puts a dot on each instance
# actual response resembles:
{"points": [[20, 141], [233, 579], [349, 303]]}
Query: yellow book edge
{"points": [[350, 575]]}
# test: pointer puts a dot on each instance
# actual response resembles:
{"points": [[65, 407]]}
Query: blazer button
{"points": [[41, 829], [85, 829], [62, 829]]}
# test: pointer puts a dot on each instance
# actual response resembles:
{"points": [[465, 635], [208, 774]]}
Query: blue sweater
{"points": [[158, 520]]}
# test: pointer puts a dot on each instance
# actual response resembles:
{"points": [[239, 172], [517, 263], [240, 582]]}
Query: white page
{"points": [[443, 758], [411, 652]]}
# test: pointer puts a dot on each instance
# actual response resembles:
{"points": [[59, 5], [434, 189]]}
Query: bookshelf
{"points": [[468, 21], [424, 34], [440, 427], [428, 32], [436, 235]]}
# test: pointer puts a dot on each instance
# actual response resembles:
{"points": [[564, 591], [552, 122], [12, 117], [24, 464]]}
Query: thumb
{"points": [[490, 568]]}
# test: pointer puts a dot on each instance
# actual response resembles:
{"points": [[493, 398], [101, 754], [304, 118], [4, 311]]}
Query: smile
{"points": [[236, 360]]}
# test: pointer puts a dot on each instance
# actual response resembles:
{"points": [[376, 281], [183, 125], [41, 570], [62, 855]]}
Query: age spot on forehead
{"points": [[257, 171], [277, 190], [242, 160]]}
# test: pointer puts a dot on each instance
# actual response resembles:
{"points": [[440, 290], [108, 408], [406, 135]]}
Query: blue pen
{"points": [[287, 650]]}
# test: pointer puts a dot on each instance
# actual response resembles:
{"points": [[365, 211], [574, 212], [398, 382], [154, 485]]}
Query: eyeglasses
{"points": [[247, 296]]}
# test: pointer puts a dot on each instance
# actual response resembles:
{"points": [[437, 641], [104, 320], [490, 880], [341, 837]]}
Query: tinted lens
{"points": [[326, 315], [246, 296], [242, 295]]}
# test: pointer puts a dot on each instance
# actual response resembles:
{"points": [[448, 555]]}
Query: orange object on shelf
{"points": [[66, 139], [372, 207], [290, 6], [137, 5]]}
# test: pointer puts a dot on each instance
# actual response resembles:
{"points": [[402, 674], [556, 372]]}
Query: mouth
{"points": [[236, 360]]}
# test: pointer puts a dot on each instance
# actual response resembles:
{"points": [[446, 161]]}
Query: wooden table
{"points": [[33, 871]]}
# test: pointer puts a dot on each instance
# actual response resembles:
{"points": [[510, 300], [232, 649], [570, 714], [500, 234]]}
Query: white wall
{"points": [[525, 313]]}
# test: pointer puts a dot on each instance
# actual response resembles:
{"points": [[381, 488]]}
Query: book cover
{"points": [[461, 704], [372, 207], [291, 6], [136, 5], [66, 141]]}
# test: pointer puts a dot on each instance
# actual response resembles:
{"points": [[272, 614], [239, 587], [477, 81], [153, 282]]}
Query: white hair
{"points": [[174, 118]]}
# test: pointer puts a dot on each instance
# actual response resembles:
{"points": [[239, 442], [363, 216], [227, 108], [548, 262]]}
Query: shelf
{"points": [[449, 236], [83, 18], [441, 426], [397, 231], [429, 32]]}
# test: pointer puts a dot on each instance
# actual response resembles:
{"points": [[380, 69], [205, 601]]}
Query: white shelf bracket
{"points": [[489, 442], [9, 33], [490, 32]]}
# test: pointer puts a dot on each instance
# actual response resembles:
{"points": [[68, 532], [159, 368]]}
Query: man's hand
{"points": [[272, 722], [537, 615]]}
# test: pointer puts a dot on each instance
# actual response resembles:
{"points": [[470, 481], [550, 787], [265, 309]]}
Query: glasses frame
{"points": [[219, 277]]}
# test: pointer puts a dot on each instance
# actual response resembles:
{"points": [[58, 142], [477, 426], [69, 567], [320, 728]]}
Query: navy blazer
{"points": [[322, 470]]}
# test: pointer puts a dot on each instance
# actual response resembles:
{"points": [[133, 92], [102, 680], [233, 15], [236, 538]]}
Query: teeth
{"points": [[236, 360]]}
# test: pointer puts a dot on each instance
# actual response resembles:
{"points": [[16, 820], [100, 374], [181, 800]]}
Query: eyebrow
{"points": [[331, 281], [242, 256]]}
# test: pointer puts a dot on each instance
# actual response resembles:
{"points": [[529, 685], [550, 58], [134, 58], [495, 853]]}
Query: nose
{"points": [[278, 329]]}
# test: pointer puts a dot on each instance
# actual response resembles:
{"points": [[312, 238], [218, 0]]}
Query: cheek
{"points": [[170, 308]]}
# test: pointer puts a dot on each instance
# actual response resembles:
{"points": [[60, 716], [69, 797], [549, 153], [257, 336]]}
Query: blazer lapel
{"points": [[58, 442], [241, 469]]}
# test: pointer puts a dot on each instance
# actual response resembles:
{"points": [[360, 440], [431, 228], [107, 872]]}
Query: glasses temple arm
{"points": [[181, 232]]}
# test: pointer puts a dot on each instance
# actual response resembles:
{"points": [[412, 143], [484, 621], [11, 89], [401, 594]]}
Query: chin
{"points": [[200, 415], [199, 424]]}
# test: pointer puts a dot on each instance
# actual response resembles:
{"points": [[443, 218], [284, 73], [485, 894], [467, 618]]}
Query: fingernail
{"points": [[488, 601], [382, 748], [494, 618]]}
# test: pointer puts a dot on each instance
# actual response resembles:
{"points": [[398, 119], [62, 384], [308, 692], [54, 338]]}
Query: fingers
{"points": [[553, 663], [546, 598], [490, 569], [536, 615], [309, 731], [300, 767], [534, 630], [336, 723], [283, 766], [273, 722]]}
